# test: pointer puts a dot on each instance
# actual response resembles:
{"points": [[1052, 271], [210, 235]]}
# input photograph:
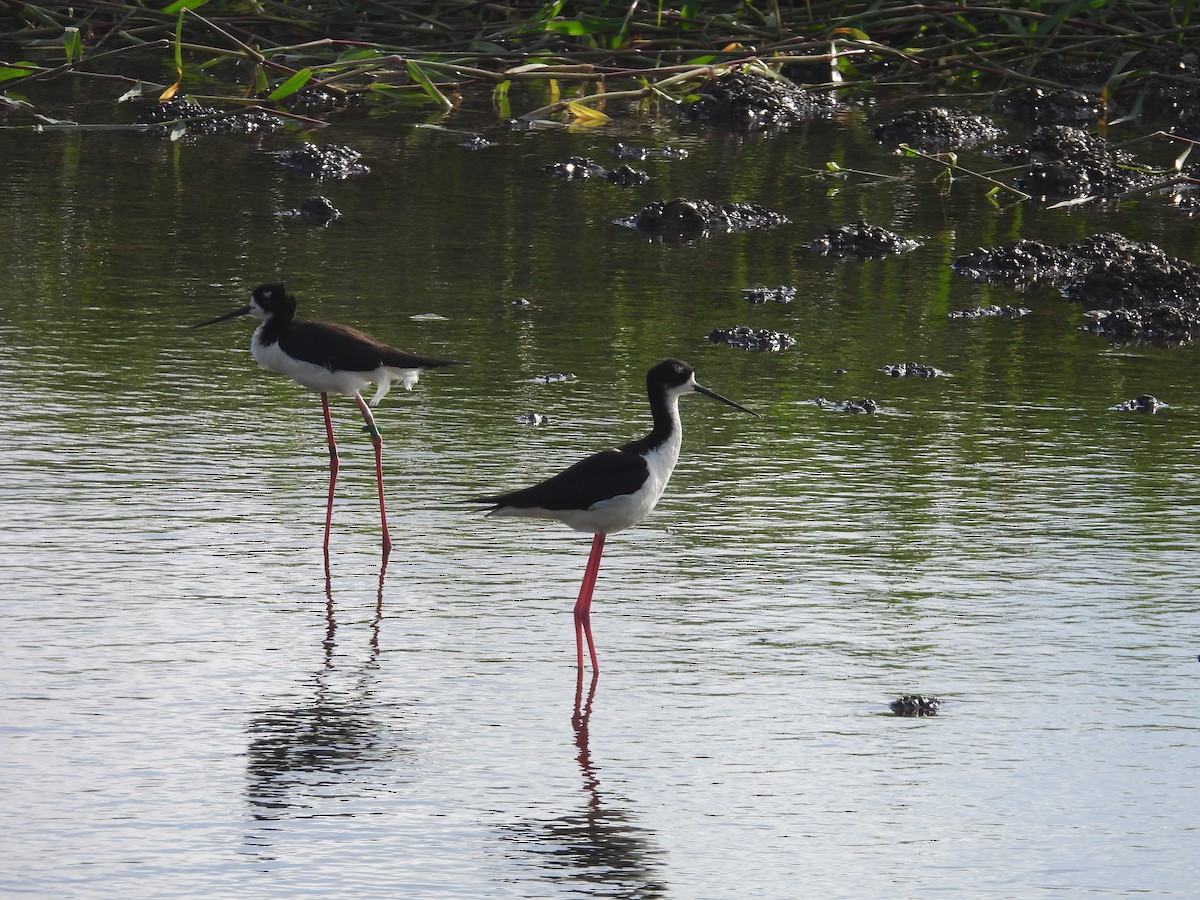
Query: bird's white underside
{"points": [[318, 378], [621, 512]]}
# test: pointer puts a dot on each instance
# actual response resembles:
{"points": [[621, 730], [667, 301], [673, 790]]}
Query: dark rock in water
{"points": [[625, 151], [912, 370], [846, 406], [1069, 162], [747, 338], [578, 168], [323, 160], [782, 294], [206, 120], [1146, 403], [575, 169], [861, 240], [1133, 290], [688, 220], [314, 211], [937, 128], [915, 705], [747, 102], [1044, 106], [980, 312]]}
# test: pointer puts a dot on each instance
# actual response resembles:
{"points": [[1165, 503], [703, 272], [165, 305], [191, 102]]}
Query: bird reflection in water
{"points": [[306, 758], [598, 848]]}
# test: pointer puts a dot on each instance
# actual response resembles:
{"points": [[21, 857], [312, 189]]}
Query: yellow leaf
{"points": [[168, 93], [585, 114], [554, 93]]}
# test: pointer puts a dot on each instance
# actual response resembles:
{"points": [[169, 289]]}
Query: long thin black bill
{"points": [[245, 310], [709, 393]]}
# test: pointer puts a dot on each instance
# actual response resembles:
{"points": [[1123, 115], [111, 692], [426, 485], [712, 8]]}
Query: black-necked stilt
{"points": [[329, 358], [613, 489]]}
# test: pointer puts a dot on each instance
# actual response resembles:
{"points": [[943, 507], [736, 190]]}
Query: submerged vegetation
{"points": [[265, 52]]}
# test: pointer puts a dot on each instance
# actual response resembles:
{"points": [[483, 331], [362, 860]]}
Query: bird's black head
{"points": [[272, 300], [670, 375], [674, 377], [267, 301]]}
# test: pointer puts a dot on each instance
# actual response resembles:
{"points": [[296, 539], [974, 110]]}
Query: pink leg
{"points": [[378, 442], [583, 606], [333, 472]]}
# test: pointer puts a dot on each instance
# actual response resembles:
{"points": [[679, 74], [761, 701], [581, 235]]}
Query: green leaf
{"points": [[569, 27], [353, 55], [179, 45], [501, 101], [180, 5], [418, 75], [293, 84], [72, 44], [7, 72]]}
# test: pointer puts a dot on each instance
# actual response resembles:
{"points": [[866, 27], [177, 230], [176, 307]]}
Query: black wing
{"points": [[610, 473], [337, 346]]}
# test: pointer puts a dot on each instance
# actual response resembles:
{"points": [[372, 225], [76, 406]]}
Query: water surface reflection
{"points": [[305, 758], [599, 848]]}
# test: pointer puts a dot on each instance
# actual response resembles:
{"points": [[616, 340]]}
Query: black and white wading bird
{"points": [[613, 489], [330, 359]]}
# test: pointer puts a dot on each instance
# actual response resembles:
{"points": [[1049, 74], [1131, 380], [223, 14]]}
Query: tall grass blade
{"points": [[418, 75], [293, 84]]}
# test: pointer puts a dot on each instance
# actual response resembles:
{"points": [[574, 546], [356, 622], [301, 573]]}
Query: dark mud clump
{"points": [[846, 406], [915, 705], [864, 240], [937, 128], [578, 168], [983, 312], [783, 294], [323, 160], [1146, 403], [1141, 297], [1134, 291], [1067, 162], [1020, 262], [911, 370], [743, 101], [313, 211], [476, 142], [320, 102], [199, 119], [747, 338], [641, 154], [1044, 106], [688, 220]]}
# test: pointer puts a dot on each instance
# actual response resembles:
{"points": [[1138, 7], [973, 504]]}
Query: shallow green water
{"points": [[189, 709]]}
